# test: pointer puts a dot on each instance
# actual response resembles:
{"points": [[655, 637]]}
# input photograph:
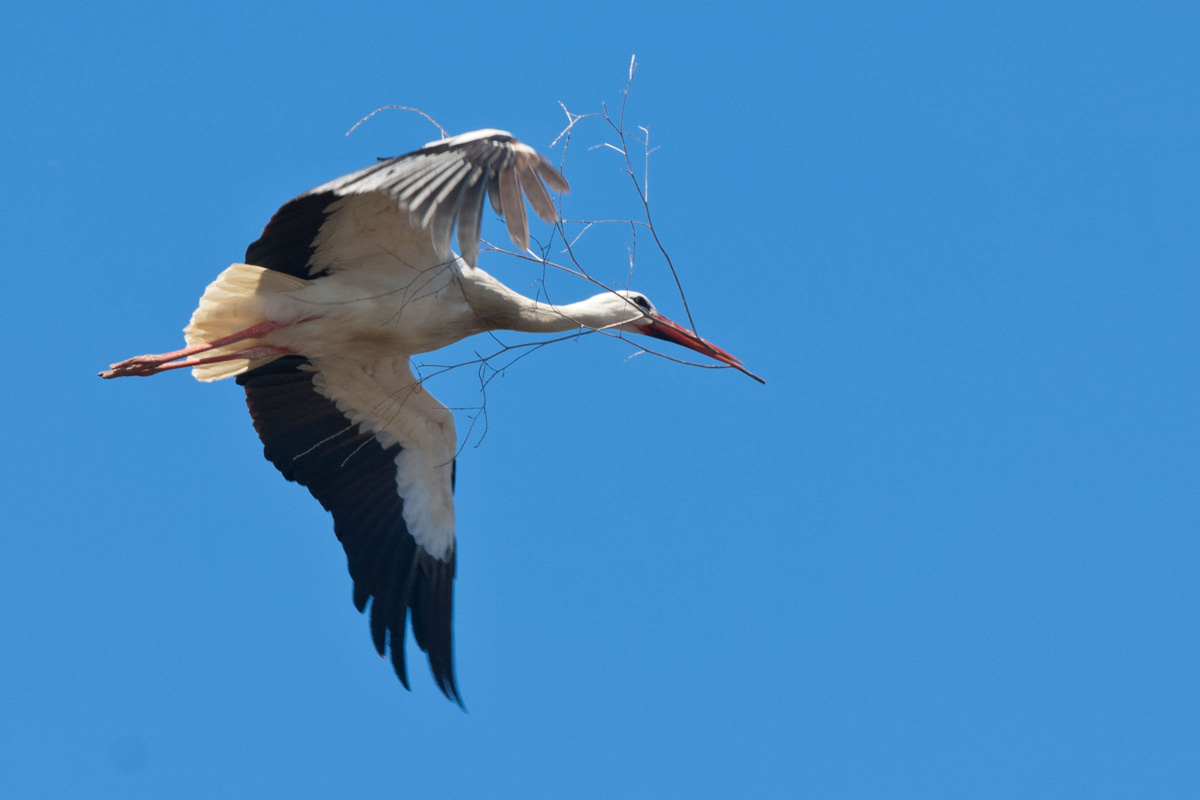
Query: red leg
{"points": [[265, 351], [150, 364]]}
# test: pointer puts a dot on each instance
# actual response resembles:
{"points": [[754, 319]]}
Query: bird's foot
{"points": [[138, 365]]}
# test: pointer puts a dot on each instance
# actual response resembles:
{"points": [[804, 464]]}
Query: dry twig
{"points": [[495, 364]]}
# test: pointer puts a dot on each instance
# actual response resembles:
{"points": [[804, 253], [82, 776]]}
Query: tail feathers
{"points": [[232, 303]]}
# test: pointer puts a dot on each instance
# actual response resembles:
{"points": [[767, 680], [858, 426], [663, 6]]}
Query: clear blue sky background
{"points": [[949, 550]]}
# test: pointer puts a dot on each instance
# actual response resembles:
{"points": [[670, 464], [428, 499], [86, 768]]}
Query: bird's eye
{"points": [[641, 302]]}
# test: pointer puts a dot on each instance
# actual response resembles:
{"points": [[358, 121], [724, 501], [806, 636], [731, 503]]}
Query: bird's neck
{"points": [[502, 308]]}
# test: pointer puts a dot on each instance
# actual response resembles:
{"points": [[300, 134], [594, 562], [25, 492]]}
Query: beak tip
{"points": [[663, 328]]}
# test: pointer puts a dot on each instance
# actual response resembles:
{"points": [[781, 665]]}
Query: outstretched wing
{"points": [[356, 221], [377, 451]]}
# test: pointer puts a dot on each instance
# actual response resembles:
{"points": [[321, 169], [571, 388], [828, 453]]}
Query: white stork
{"points": [[346, 283]]}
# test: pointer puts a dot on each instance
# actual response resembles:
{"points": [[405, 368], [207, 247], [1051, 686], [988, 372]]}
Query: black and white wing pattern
{"points": [[429, 189], [377, 451]]}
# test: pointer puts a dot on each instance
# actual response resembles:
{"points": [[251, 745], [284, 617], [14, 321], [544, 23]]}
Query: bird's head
{"points": [[633, 312]]}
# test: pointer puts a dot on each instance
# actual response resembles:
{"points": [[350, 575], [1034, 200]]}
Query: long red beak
{"points": [[662, 328]]}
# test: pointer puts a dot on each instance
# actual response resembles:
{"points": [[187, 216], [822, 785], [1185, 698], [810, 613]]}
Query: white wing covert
{"points": [[445, 182]]}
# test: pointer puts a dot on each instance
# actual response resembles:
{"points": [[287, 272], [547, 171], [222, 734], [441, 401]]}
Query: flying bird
{"points": [[346, 283]]}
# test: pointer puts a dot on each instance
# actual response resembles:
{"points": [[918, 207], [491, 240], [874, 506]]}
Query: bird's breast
{"points": [[365, 315]]}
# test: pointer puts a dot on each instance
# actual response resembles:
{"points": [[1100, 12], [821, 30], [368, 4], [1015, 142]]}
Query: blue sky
{"points": [[949, 550]]}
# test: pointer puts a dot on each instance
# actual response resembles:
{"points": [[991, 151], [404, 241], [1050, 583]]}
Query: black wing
{"points": [[353, 473]]}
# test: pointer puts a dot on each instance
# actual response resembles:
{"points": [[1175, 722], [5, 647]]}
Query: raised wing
{"points": [[433, 188], [377, 451]]}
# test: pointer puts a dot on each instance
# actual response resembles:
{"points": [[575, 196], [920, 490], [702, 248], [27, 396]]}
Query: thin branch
{"points": [[641, 187], [490, 365], [400, 108]]}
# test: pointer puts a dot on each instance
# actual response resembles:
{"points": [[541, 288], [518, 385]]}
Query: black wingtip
{"points": [[361, 596], [446, 682], [398, 663], [378, 626]]}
